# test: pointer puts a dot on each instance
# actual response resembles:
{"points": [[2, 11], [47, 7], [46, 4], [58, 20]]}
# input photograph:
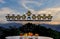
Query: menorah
{"points": [[29, 17]]}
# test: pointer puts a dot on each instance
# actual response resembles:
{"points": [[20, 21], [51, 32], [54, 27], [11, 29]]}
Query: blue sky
{"points": [[35, 6], [17, 4]]}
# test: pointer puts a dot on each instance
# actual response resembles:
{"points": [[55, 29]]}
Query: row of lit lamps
{"points": [[33, 17]]}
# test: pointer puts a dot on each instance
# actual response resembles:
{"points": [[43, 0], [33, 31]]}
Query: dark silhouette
{"points": [[29, 27]]}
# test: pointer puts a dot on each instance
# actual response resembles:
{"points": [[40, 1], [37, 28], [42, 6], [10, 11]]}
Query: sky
{"points": [[35, 6]]}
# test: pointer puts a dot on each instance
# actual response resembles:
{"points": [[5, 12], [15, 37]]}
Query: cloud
{"points": [[2, 1], [26, 2], [50, 10], [7, 10], [55, 12], [52, 23], [4, 11]]}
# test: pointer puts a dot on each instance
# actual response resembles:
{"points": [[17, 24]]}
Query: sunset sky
{"points": [[35, 6]]}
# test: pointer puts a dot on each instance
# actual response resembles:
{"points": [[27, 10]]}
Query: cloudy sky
{"points": [[35, 6]]}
